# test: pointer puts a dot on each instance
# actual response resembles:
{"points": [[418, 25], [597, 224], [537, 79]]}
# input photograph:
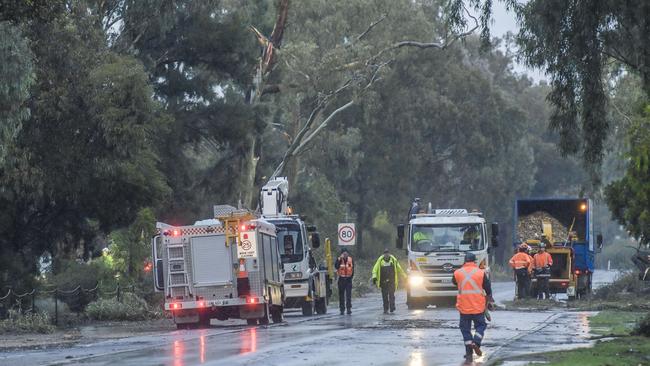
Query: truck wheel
{"points": [[416, 304], [321, 306], [276, 314], [251, 321]]}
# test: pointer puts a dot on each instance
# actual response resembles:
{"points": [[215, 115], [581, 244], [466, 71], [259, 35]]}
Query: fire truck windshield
{"points": [[446, 238], [290, 240]]}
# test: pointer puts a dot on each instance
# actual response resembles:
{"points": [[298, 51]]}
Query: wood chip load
{"points": [[530, 227]]}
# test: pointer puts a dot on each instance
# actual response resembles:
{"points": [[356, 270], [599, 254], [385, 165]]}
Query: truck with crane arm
{"points": [[307, 285]]}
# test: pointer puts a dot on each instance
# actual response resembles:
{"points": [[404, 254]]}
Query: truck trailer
{"points": [[566, 225]]}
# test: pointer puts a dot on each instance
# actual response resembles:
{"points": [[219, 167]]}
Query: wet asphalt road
{"points": [[367, 337]]}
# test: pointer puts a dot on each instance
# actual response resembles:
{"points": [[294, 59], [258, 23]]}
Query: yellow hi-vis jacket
{"points": [[376, 270]]}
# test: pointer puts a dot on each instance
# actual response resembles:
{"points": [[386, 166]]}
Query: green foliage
{"points": [[629, 197], [17, 322], [611, 322], [130, 247], [573, 41], [17, 76], [131, 307]]}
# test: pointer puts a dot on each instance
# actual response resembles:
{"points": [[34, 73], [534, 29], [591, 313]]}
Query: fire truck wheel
{"points": [[251, 321]]}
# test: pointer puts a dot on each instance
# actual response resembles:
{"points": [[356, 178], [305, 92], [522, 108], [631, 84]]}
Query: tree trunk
{"points": [[247, 174]]}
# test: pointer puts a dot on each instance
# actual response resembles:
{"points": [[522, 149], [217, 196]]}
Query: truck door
{"points": [[158, 275], [211, 261]]}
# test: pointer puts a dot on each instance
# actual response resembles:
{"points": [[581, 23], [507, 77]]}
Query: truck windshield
{"points": [[446, 238], [290, 242]]}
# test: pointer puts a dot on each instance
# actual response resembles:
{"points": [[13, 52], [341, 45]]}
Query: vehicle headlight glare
{"points": [[415, 280]]}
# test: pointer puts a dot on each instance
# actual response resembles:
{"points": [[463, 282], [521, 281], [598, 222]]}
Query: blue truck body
{"points": [[568, 211]]}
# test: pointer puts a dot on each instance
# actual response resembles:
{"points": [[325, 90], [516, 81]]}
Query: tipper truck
{"points": [[436, 243], [224, 268], [566, 227]]}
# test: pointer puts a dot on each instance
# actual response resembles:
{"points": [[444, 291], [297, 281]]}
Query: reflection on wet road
{"points": [[368, 337]]}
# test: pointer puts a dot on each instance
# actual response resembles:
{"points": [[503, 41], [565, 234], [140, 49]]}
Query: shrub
{"points": [[628, 284], [26, 323], [643, 327], [131, 307]]}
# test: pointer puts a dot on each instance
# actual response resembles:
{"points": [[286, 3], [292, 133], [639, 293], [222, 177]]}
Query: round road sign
{"points": [[246, 245], [346, 234]]}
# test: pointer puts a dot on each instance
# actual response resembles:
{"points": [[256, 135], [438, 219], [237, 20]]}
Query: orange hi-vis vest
{"points": [[471, 297], [521, 260], [345, 268], [542, 260]]}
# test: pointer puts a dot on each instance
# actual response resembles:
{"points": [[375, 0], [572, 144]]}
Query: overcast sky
{"points": [[504, 22]]}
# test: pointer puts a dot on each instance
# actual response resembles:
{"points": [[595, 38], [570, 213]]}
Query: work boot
{"points": [[342, 312], [477, 349], [469, 357], [349, 312], [392, 310], [385, 311]]}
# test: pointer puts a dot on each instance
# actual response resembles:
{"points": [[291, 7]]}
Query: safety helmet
{"points": [[470, 257], [542, 246]]}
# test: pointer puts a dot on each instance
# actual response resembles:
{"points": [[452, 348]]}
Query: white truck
{"points": [[225, 268], [437, 241], [306, 284]]}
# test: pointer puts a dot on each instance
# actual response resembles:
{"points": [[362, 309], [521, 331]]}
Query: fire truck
{"points": [[307, 286], [224, 268]]}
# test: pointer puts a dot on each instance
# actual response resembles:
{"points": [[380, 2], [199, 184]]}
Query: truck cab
{"points": [[436, 243], [306, 285]]}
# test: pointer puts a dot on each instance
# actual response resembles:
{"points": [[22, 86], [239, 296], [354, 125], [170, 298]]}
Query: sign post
{"points": [[347, 234]]}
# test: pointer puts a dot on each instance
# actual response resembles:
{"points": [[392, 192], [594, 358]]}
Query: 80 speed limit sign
{"points": [[347, 234]]}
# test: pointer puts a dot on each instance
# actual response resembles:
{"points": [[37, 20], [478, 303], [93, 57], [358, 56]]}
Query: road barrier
{"points": [[58, 302]]}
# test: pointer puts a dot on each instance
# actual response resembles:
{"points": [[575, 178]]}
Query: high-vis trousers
{"points": [[465, 325]]}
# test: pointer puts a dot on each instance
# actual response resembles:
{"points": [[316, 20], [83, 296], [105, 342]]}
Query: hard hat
{"points": [[542, 246], [470, 257]]}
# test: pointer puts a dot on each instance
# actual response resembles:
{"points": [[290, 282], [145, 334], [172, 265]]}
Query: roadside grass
{"points": [[619, 347], [632, 351], [614, 323]]}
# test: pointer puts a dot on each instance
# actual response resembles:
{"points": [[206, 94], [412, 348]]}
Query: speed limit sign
{"points": [[347, 234]]}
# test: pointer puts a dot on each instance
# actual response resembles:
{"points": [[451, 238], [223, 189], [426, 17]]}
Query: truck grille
{"points": [[433, 269]]}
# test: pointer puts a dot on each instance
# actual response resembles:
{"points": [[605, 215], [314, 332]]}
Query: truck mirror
{"points": [[495, 234], [315, 240], [311, 229], [160, 277], [599, 242], [400, 236]]}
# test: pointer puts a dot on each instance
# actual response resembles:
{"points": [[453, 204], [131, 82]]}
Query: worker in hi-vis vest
{"points": [[474, 293], [345, 270]]}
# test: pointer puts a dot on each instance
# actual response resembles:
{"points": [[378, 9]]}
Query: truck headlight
{"points": [[415, 280], [293, 275]]}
